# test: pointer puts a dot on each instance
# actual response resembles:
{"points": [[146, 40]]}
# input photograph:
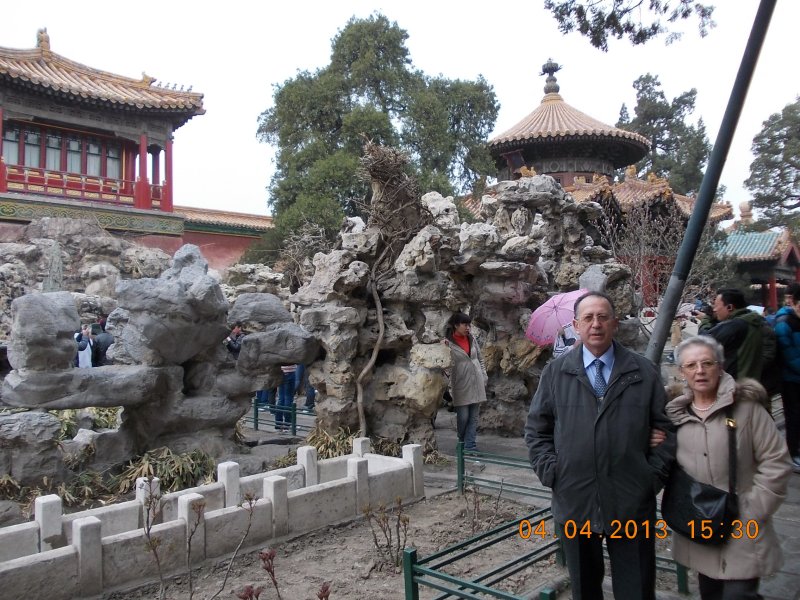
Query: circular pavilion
{"points": [[559, 140]]}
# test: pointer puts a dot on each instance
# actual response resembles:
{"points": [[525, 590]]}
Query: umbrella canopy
{"points": [[552, 316]]}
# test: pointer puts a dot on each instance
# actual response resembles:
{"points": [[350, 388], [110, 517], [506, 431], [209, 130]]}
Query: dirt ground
{"points": [[346, 557]]}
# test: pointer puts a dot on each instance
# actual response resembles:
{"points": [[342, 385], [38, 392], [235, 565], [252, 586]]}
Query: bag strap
{"points": [[730, 422]]}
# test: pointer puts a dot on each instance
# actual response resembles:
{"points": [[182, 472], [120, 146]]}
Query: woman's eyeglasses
{"points": [[694, 366]]}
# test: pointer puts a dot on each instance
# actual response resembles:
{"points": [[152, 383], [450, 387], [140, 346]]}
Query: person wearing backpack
{"points": [[787, 330], [739, 330]]}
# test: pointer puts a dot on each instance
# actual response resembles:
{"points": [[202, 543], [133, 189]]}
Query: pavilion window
{"points": [[112, 161], [11, 145], [33, 148], [74, 155], [93, 157], [53, 152]]}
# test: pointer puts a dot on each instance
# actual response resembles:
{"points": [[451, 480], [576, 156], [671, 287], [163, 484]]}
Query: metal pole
{"points": [[705, 197], [460, 466], [411, 586]]}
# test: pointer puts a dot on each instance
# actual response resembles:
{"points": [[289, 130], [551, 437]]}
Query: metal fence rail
{"points": [[267, 416], [426, 572]]}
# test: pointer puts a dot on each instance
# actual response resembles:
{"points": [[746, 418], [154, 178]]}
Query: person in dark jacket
{"points": [[740, 332], [590, 434], [787, 330], [234, 341]]}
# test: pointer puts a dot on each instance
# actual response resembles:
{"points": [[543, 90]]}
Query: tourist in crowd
{"points": [[787, 330], [234, 340], [468, 378], [283, 417], [87, 350], [302, 386], [731, 570], [590, 436], [103, 340]]}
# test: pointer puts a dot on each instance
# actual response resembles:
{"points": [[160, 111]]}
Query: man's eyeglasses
{"points": [[694, 366]]}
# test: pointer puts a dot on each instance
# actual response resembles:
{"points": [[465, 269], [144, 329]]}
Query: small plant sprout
{"points": [[152, 506], [324, 591], [198, 509], [249, 592], [393, 536], [268, 564]]}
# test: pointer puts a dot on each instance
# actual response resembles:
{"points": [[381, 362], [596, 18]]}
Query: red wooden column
{"points": [[141, 194], [156, 170], [3, 177], [166, 191], [773, 292]]}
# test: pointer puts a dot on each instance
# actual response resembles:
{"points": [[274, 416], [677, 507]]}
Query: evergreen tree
{"points": [[600, 19], [775, 172], [679, 150], [370, 90]]}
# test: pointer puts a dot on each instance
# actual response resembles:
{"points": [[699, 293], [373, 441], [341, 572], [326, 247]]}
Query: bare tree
{"points": [[396, 212], [646, 238]]}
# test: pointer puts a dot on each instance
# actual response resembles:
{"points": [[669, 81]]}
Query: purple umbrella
{"points": [[552, 316]]}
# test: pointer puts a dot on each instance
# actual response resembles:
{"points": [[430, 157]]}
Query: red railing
{"points": [[69, 185]]}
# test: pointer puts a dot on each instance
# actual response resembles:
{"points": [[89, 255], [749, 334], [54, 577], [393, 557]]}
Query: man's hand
{"points": [[656, 437]]}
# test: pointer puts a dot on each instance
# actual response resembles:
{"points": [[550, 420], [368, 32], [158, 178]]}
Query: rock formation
{"points": [[177, 384], [532, 243]]}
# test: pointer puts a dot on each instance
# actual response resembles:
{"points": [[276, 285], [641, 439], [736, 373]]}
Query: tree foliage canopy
{"points": [[319, 121], [600, 19], [775, 172], [679, 150]]}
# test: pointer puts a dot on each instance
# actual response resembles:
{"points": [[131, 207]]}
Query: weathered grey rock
{"points": [[83, 388], [29, 449], [396, 335], [419, 256], [361, 244], [10, 514], [431, 356], [281, 344], [444, 211], [43, 327], [613, 279], [336, 276], [520, 248], [260, 309], [478, 241], [169, 319]]}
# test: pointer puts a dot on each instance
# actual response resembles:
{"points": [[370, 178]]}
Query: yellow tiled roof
{"points": [[44, 69], [555, 119], [226, 218], [634, 191]]}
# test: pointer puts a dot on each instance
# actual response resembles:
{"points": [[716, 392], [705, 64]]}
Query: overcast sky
{"points": [[235, 52]]}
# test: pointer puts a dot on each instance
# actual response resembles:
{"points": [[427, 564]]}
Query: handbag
{"points": [[699, 511]]}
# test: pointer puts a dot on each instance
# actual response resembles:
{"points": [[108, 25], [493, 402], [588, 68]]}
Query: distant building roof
{"points": [[751, 246], [634, 191], [42, 70], [220, 219]]}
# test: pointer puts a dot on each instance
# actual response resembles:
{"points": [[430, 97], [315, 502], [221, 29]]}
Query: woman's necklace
{"points": [[706, 409]]}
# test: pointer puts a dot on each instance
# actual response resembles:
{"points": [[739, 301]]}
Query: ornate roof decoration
{"points": [[224, 218], [634, 191], [554, 121], [43, 71]]}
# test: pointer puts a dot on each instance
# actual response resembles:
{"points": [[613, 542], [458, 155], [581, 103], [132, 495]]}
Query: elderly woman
{"points": [[731, 570], [467, 377]]}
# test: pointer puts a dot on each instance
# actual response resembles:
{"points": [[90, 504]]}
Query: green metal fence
{"points": [[427, 571], [266, 416]]}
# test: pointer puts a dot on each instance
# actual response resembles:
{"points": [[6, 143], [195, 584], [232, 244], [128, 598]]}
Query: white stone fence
{"points": [[83, 554]]}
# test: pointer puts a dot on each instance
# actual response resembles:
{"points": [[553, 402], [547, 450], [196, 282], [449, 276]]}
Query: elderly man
{"points": [[592, 437]]}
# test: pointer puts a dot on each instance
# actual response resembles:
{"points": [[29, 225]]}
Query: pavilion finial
{"points": [[550, 68], [43, 41]]}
